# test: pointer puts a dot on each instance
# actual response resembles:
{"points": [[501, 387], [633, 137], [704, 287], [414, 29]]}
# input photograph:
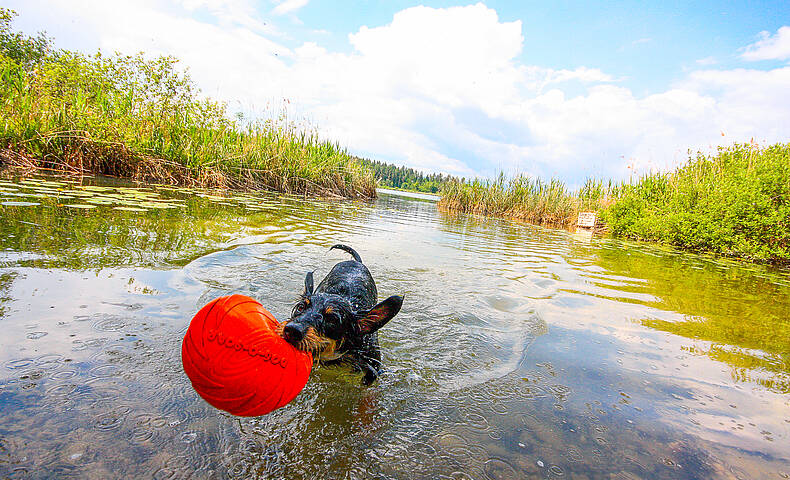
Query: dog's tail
{"points": [[348, 249]]}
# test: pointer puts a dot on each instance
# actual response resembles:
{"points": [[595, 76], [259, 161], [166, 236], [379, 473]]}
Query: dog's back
{"points": [[352, 280]]}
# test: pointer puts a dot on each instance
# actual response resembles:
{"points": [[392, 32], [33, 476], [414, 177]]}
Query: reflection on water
{"points": [[520, 352]]}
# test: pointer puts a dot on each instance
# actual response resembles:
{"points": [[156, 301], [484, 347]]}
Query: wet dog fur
{"points": [[338, 320]]}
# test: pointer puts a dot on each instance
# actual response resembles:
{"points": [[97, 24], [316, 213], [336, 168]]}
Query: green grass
{"points": [[734, 203], [144, 119]]}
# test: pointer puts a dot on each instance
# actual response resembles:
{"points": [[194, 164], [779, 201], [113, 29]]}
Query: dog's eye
{"points": [[299, 308], [332, 318]]}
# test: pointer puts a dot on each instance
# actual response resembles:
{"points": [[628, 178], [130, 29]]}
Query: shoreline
{"points": [[735, 203]]}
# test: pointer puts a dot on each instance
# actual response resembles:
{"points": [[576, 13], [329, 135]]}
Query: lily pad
{"points": [[156, 205], [78, 193], [80, 205], [20, 204], [96, 188], [130, 209]]}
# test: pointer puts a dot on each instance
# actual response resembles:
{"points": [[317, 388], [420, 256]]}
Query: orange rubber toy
{"points": [[237, 362]]}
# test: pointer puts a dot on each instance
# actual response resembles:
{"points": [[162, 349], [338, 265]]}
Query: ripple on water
{"points": [[111, 420], [113, 351], [65, 470], [62, 390], [556, 470], [498, 407], [50, 361], [475, 421], [19, 363], [499, 469], [165, 473], [574, 455], [91, 343], [141, 434], [63, 374], [109, 324], [460, 475], [459, 450], [104, 371]]}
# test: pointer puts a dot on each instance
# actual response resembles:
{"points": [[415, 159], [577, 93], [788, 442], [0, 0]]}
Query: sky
{"points": [[559, 89]]}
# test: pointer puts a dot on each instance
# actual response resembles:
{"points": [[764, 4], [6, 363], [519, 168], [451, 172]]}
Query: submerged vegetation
{"points": [[139, 118], [735, 203]]}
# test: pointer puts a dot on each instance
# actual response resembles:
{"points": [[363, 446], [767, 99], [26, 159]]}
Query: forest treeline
{"points": [[405, 178]]}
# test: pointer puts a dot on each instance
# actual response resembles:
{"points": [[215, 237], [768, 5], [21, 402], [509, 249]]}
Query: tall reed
{"points": [[144, 119], [529, 199]]}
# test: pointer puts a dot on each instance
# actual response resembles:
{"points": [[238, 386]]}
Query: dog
{"points": [[338, 321]]}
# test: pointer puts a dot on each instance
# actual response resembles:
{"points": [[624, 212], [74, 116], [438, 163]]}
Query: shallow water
{"points": [[520, 352]]}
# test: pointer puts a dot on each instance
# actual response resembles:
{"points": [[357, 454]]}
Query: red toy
{"points": [[237, 362]]}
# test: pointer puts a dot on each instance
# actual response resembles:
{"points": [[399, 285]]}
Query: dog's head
{"points": [[326, 324]]}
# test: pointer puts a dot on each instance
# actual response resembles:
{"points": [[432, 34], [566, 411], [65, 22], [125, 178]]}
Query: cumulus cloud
{"points": [[445, 89], [770, 47]]}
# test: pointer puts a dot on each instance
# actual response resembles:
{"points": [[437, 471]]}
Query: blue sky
{"points": [[564, 89], [647, 43]]}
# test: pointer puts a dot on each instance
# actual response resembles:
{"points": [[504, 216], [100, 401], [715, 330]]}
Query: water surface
{"points": [[520, 352]]}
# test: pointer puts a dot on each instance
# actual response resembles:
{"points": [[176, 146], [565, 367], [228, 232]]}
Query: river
{"points": [[520, 351]]}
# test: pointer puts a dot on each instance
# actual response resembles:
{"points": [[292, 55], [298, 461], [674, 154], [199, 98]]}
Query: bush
{"points": [[735, 203]]}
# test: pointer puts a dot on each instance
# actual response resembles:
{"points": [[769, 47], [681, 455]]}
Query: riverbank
{"points": [[734, 203], [143, 119]]}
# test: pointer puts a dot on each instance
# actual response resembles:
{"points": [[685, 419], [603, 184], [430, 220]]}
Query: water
{"points": [[520, 352]]}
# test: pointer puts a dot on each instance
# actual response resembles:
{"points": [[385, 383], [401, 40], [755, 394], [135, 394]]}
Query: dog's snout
{"points": [[293, 333]]}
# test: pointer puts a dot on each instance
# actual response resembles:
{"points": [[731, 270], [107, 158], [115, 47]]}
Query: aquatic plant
{"points": [[140, 118]]}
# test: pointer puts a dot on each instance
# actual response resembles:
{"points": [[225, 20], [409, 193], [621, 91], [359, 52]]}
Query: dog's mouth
{"points": [[318, 345]]}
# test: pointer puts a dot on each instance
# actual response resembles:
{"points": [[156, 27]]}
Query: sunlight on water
{"points": [[520, 352]]}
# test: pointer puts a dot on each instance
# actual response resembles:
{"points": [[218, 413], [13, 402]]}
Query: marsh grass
{"points": [[144, 119], [735, 202], [524, 198]]}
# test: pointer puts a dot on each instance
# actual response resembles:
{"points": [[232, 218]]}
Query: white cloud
{"points": [[288, 6], [445, 89], [776, 47]]}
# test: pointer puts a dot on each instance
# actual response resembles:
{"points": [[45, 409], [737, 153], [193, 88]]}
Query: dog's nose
{"points": [[293, 333]]}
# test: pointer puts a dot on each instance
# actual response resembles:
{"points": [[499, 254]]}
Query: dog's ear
{"points": [[377, 316], [308, 284]]}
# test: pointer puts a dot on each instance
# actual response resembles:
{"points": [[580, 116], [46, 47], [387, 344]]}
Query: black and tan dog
{"points": [[338, 321]]}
